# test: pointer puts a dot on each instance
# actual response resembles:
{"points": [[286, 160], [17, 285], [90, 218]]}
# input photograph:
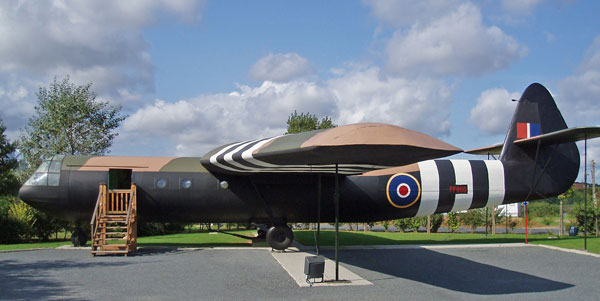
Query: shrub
{"points": [[542, 209], [23, 215], [436, 222], [9, 227], [386, 225], [159, 228], [400, 224], [474, 218], [579, 213], [416, 222], [453, 221]]}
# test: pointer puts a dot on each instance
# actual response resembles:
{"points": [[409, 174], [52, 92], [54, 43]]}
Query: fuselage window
{"points": [[186, 183], [48, 174], [161, 183]]}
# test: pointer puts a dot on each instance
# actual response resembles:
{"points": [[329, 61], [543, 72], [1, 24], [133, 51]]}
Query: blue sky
{"points": [[193, 75]]}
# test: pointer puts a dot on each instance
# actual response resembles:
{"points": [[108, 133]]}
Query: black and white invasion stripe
{"points": [[484, 181], [238, 158]]}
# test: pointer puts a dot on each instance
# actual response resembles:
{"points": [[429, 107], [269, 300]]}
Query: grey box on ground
{"points": [[314, 266]]}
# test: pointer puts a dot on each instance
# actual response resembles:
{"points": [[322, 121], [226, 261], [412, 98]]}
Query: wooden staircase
{"points": [[114, 223]]}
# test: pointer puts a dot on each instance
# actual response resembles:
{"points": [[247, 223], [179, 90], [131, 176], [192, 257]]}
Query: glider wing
{"points": [[356, 148]]}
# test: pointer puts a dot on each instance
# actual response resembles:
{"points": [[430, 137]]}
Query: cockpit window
{"points": [[48, 174]]}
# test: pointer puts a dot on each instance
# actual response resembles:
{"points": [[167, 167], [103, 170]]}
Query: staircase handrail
{"points": [[129, 212], [93, 224]]}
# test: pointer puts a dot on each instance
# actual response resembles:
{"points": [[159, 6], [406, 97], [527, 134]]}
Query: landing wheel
{"points": [[78, 238], [280, 237]]}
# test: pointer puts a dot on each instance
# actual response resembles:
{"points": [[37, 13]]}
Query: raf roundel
{"points": [[403, 190]]}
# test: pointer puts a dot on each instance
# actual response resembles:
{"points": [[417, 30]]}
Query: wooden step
{"points": [[112, 221], [113, 247], [113, 233], [114, 227], [110, 252], [109, 238], [114, 218]]}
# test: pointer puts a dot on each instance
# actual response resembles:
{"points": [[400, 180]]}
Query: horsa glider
{"points": [[379, 171]]}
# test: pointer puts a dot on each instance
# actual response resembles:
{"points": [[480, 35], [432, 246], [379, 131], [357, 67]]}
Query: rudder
{"points": [[542, 169]]}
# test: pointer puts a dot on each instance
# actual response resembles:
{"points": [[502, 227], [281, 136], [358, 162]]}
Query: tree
{"points": [[68, 120], [307, 122], [8, 181]]}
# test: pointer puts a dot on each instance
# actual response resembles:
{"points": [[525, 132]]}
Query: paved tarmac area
{"points": [[532, 272]]}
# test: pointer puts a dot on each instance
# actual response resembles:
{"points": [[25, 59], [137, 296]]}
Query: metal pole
{"points": [[525, 207], [585, 194], [506, 217], [336, 200], [594, 194], [318, 212], [561, 231], [486, 221], [493, 227]]}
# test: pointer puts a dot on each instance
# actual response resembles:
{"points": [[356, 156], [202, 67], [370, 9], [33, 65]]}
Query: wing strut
{"points": [[319, 188], [265, 205]]}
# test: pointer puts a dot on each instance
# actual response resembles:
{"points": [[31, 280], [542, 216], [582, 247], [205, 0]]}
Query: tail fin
{"points": [[543, 168]]}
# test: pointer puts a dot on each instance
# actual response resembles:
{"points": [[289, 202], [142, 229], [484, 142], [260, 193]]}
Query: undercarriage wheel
{"points": [[78, 238], [261, 233], [280, 237]]}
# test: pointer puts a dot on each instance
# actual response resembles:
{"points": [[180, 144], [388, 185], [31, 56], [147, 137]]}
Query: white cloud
{"points": [[579, 94], [194, 126], [97, 41], [519, 6], [405, 13], [493, 110], [280, 67], [15, 103], [455, 44], [370, 96]]}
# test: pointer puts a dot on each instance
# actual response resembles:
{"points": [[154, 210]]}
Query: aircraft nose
{"points": [[39, 197]]}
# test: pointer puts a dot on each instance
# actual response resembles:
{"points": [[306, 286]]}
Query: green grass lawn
{"points": [[347, 238], [199, 239], [34, 245], [593, 243]]}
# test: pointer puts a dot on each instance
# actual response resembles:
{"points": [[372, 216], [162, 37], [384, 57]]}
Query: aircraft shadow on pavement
{"points": [[448, 271], [31, 281]]}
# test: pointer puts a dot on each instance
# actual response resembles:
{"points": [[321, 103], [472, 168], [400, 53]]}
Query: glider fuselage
{"points": [[181, 190]]}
